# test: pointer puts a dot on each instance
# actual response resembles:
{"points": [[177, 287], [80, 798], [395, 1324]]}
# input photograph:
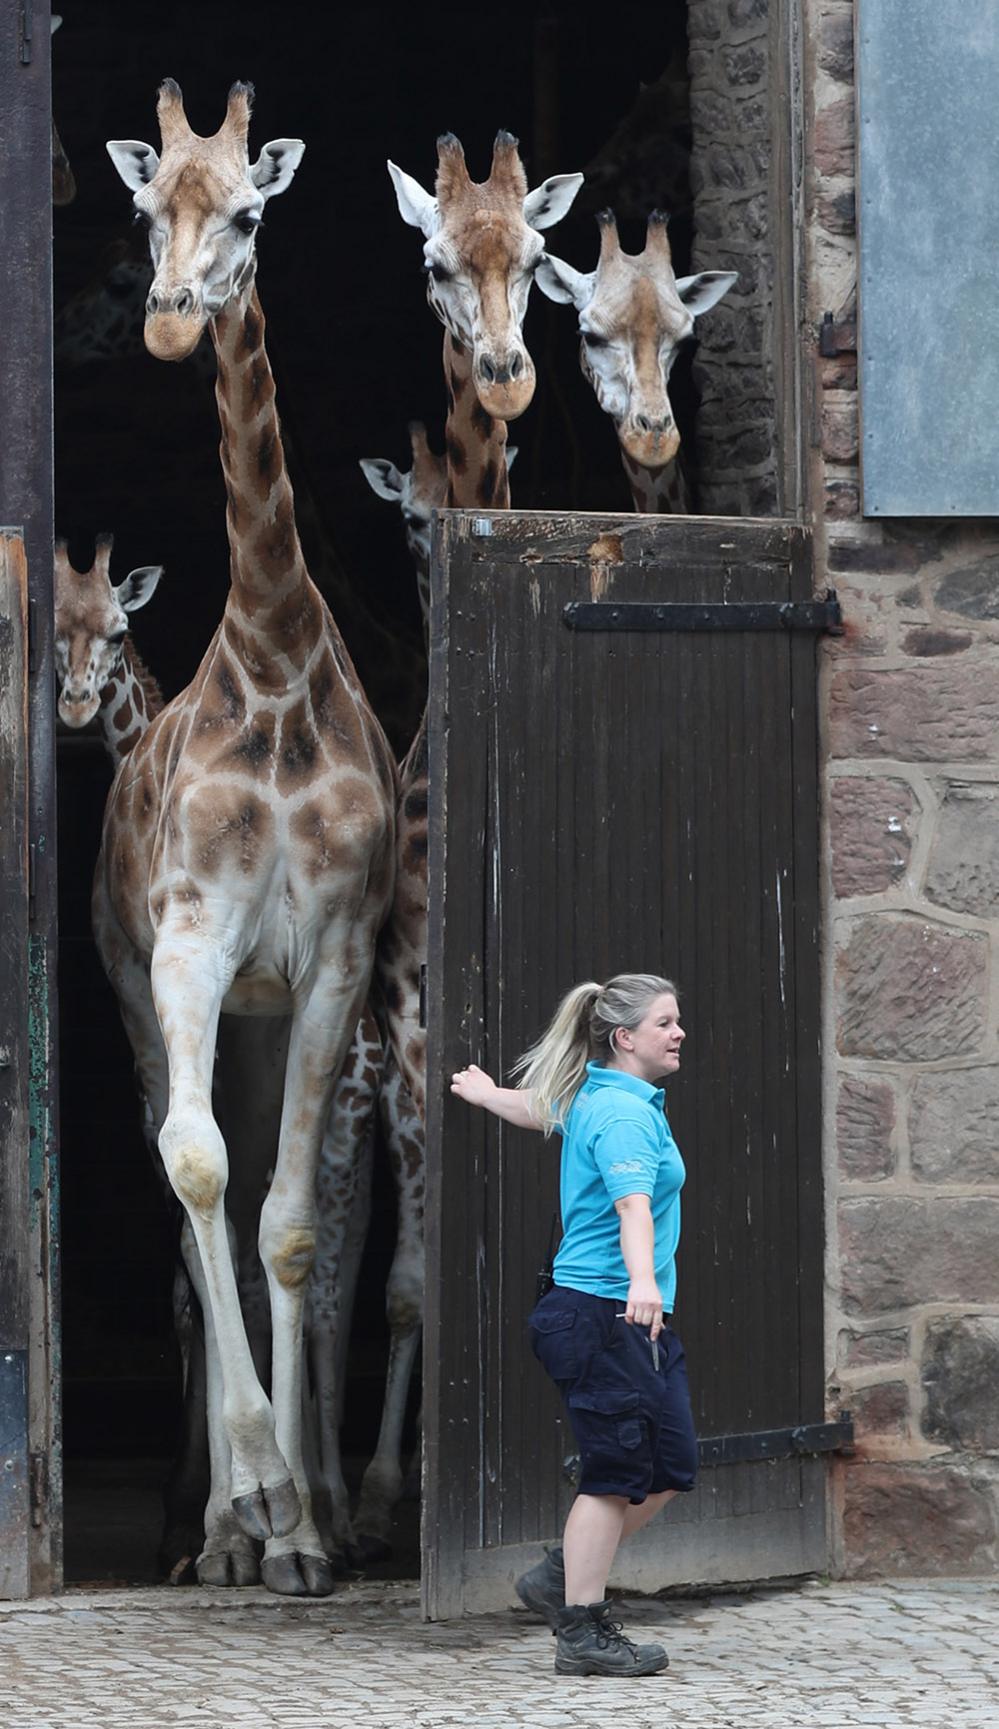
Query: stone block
{"points": [[928, 640], [874, 555], [834, 43], [839, 373], [897, 1251], [940, 711], [705, 20], [960, 1375], [907, 1519], [911, 990], [840, 433], [872, 824], [954, 1126], [972, 591], [865, 1350], [836, 209], [834, 138], [963, 871], [842, 499], [745, 65], [865, 1118], [880, 1410], [744, 12]]}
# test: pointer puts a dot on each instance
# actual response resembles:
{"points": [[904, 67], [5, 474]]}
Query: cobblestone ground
{"points": [[822, 1656]]}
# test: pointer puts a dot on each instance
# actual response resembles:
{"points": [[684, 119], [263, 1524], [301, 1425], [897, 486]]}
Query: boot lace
{"points": [[611, 1635]]}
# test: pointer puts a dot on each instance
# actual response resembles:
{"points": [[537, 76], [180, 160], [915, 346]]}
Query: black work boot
{"points": [[590, 1643], [543, 1588]]}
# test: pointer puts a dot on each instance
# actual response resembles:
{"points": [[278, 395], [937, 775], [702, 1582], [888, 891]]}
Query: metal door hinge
{"points": [[38, 1488]]}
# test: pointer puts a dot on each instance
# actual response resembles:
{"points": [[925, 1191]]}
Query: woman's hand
{"points": [[644, 1307], [513, 1104], [474, 1086]]}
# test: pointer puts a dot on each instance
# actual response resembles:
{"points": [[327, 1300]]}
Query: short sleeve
{"points": [[627, 1152]]}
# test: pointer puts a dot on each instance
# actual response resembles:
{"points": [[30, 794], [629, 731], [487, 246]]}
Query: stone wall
{"points": [[911, 776], [729, 65]]}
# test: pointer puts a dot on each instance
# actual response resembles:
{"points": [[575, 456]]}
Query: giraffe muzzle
{"points": [[652, 442], [174, 322], [505, 387], [77, 711]]}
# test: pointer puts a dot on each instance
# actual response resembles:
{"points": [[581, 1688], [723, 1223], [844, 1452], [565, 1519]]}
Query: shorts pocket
{"points": [[555, 1341], [611, 1411]]}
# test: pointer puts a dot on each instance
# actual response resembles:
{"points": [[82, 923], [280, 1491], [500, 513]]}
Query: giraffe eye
{"points": [[247, 222], [439, 274], [592, 340], [142, 219], [117, 638]]}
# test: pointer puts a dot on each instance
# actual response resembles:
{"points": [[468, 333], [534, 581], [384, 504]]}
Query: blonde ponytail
{"points": [[582, 1028]]}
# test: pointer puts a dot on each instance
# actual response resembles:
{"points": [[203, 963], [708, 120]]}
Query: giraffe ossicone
{"points": [[634, 314]]}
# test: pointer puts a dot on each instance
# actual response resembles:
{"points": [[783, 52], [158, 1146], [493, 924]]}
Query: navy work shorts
{"points": [[632, 1421]]}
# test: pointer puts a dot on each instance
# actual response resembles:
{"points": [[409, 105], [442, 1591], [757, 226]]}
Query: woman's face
{"points": [[652, 1049]]}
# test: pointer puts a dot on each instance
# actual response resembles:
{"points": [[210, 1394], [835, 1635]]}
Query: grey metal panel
{"points": [[928, 147]]}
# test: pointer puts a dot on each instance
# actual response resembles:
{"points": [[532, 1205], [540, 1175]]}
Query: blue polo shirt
{"points": [[616, 1141]]}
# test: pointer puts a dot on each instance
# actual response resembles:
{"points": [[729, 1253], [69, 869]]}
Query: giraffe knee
{"points": [[291, 1255], [194, 1156]]}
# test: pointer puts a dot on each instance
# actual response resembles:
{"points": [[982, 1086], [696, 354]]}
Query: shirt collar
{"points": [[602, 1077]]}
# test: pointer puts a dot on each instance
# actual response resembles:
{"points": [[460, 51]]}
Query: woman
{"points": [[601, 1331]]}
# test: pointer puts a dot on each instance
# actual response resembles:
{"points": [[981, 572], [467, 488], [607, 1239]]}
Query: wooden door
{"points": [[615, 791]]}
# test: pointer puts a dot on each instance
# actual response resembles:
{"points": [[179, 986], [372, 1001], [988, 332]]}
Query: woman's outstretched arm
{"points": [[513, 1104]]}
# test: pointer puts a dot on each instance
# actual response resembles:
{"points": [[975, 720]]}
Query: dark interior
{"points": [[356, 354]]}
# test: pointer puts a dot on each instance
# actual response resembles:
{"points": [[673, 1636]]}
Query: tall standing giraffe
{"points": [[247, 858], [481, 249], [633, 316]]}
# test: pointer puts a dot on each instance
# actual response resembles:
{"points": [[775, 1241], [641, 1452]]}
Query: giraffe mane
{"points": [[150, 685]]}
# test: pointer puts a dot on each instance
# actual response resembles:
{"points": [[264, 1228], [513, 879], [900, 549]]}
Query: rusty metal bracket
{"points": [[837, 338]]}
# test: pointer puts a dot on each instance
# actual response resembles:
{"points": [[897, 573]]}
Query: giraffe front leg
{"points": [[296, 1564], [189, 983]]}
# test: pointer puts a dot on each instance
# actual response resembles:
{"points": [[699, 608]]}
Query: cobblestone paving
{"points": [[822, 1656]]}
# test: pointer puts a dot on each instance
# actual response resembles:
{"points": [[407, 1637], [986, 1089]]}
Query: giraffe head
{"points": [[633, 316], [202, 203], [481, 251], [91, 624], [417, 493]]}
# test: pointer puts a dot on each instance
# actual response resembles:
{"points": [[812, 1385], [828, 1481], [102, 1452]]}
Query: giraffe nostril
{"points": [[152, 303], [185, 302], [516, 366], [487, 369]]}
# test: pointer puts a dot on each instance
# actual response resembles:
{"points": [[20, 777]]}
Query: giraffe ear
{"points": [[135, 162], [416, 207], [548, 203], [699, 293], [275, 167], [560, 282], [383, 477], [138, 587]]}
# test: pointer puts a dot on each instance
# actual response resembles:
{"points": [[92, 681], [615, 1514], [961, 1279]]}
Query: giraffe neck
{"points": [[476, 443], [129, 701], [657, 491], [274, 614]]}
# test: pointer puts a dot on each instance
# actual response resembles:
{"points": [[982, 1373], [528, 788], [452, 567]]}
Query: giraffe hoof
{"points": [[297, 1575], [228, 1567], [370, 1549], [267, 1513]]}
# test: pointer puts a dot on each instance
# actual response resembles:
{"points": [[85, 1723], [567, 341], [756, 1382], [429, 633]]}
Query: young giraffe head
{"points": [[202, 203], [417, 493], [633, 316], [481, 251], [91, 624]]}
